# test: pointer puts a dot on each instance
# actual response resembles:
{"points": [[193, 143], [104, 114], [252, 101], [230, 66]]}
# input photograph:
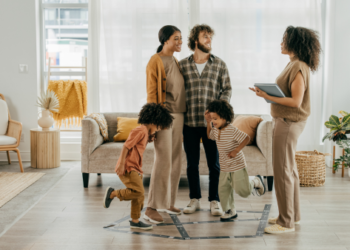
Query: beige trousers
{"points": [[166, 170], [285, 139], [234, 181]]}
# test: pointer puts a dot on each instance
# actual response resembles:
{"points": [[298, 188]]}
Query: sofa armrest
{"points": [[91, 138], [264, 143]]}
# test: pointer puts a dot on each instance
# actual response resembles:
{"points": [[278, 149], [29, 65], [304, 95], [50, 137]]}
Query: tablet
{"points": [[271, 89]]}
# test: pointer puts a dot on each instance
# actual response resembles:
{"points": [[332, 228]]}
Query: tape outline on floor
{"points": [[184, 235]]}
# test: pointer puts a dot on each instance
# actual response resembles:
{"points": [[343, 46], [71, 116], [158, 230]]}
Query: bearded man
{"points": [[206, 79]]}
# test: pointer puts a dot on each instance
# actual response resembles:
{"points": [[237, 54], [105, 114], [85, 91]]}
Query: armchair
{"points": [[10, 132]]}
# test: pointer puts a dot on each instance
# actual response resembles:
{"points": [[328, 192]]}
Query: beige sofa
{"points": [[98, 157]]}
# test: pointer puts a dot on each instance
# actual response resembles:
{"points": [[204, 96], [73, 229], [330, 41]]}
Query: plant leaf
{"points": [[333, 119], [346, 119], [343, 113], [327, 136], [330, 125]]}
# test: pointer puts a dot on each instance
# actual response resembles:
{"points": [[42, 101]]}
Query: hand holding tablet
{"points": [[271, 89]]}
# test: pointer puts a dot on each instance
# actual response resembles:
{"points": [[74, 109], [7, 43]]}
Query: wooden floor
{"points": [[71, 217]]}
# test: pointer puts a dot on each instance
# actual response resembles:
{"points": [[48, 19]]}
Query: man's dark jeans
{"points": [[192, 136]]}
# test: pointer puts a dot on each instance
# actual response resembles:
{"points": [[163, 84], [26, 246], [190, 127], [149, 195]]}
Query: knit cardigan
{"points": [[156, 80]]}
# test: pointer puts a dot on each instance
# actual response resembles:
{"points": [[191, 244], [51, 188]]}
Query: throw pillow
{"points": [[124, 127], [102, 124], [248, 125]]}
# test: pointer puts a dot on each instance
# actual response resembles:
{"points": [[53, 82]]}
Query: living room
{"points": [[59, 153]]}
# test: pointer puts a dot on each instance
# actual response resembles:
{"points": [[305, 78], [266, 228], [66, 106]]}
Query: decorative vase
{"points": [[45, 121]]}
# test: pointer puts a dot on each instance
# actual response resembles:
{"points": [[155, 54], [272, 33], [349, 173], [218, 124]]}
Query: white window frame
{"points": [[43, 72]]}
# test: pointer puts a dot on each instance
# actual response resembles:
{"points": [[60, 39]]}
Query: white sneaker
{"points": [[215, 208], [229, 215], [259, 185], [192, 206]]}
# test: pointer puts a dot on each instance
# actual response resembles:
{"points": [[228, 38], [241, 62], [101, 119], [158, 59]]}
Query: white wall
{"points": [[18, 45], [341, 66]]}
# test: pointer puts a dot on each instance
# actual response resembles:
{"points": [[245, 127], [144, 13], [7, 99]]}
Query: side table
{"points": [[45, 148]]}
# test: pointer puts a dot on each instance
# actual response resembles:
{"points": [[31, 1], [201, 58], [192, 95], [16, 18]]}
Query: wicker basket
{"points": [[311, 167]]}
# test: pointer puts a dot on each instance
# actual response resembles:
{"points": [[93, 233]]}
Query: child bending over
{"points": [[153, 117], [230, 142]]}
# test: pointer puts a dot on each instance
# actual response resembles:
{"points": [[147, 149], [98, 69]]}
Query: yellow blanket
{"points": [[72, 96]]}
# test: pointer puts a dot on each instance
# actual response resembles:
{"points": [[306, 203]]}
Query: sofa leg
{"points": [[270, 183], [86, 179]]}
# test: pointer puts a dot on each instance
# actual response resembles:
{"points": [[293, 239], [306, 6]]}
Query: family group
{"points": [[188, 102]]}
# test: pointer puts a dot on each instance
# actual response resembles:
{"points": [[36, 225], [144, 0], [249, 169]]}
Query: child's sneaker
{"points": [[140, 225], [107, 201], [229, 215], [277, 229], [259, 185], [274, 220]]}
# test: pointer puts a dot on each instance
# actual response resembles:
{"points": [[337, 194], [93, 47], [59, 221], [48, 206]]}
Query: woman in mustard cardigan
{"points": [[165, 85]]}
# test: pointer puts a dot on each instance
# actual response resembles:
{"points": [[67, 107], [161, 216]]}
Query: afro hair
{"points": [[156, 114], [223, 109]]}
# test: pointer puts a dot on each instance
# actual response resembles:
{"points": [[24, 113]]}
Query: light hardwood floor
{"points": [[71, 217]]}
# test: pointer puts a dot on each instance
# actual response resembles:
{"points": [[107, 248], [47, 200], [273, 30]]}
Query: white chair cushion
{"points": [[7, 140], [4, 117]]}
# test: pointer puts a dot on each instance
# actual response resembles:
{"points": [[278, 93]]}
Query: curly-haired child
{"points": [[153, 117], [230, 142]]}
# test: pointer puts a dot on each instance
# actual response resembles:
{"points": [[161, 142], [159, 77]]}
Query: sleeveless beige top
{"points": [[284, 81]]}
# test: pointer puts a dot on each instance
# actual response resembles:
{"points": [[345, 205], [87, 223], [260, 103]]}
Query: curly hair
{"points": [[194, 34], [223, 109], [304, 44], [156, 114]]}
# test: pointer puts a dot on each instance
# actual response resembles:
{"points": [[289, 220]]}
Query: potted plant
{"points": [[339, 127], [48, 102]]}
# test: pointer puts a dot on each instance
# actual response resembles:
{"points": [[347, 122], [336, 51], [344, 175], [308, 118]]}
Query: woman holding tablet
{"points": [[290, 114]]}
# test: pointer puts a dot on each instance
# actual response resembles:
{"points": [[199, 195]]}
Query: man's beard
{"points": [[203, 48]]}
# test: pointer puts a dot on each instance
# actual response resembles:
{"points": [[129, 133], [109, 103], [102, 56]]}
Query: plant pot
{"points": [[45, 121]]}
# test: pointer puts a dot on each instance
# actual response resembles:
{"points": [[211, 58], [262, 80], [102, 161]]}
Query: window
{"points": [[64, 42]]}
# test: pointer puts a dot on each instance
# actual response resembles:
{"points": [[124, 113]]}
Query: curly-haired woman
{"points": [[230, 142], [290, 114], [165, 85]]}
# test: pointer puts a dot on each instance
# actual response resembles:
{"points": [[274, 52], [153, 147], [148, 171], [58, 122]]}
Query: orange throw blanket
{"points": [[72, 96]]}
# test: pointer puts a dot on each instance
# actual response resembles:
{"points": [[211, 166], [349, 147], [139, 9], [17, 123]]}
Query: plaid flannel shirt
{"points": [[213, 84]]}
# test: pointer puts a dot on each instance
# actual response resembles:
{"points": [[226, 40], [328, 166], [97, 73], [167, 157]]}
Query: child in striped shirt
{"points": [[230, 142]]}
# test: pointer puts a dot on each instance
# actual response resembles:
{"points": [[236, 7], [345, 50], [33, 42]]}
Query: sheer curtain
{"points": [[128, 39], [247, 37]]}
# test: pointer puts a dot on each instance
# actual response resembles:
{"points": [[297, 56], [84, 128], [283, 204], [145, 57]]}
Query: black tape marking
{"points": [[238, 211], [179, 225], [263, 220]]}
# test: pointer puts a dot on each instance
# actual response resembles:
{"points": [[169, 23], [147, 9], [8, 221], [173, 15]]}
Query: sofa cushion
{"points": [[112, 121], [7, 140], [125, 125], [102, 124], [248, 125], [4, 117]]}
